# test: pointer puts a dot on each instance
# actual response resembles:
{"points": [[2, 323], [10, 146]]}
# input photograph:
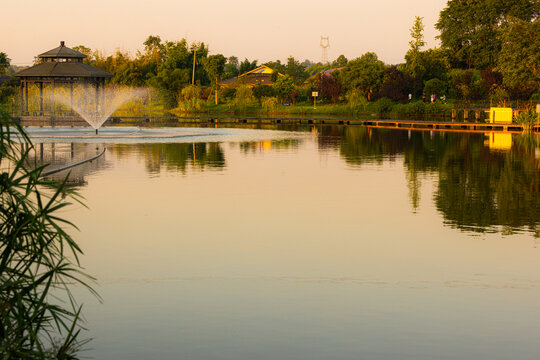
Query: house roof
{"points": [[329, 71], [261, 75], [251, 80], [263, 69]]}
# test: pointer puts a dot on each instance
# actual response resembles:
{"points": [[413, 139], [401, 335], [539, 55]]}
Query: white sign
{"points": [[315, 93]]}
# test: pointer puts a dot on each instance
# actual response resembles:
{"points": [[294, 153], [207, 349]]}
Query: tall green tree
{"points": [[295, 70], [277, 66], [364, 73], [4, 63], [470, 29], [519, 59], [283, 87], [340, 61], [214, 66], [414, 63], [246, 66], [86, 51], [154, 48], [231, 67], [417, 34], [174, 72]]}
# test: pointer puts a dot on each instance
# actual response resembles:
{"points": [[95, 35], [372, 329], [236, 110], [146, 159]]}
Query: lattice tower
{"points": [[325, 43]]}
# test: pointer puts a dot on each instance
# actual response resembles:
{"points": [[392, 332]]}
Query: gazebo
{"points": [[58, 67]]}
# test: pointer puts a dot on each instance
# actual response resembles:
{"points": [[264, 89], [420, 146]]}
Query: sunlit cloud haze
{"points": [[262, 30]]}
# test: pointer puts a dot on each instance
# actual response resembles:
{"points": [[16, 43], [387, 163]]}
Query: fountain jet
{"points": [[95, 112]]}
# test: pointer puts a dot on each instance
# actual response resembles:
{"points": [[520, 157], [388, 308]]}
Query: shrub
{"points": [[243, 96], [465, 84], [227, 93], [415, 108], [269, 103], [527, 118], [435, 108], [355, 98], [190, 99], [384, 105], [402, 109], [435, 86], [498, 94], [418, 107], [261, 91], [330, 87], [193, 105], [191, 92]]}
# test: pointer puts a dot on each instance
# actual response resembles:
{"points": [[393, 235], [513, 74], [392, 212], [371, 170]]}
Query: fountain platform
{"points": [[56, 120], [124, 134]]}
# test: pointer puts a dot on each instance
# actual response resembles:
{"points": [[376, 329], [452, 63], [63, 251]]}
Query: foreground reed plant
{"points": [[39, 261]]}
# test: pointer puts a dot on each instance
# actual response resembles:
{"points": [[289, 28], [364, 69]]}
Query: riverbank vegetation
{"points": [[488, 55], [39, 318]]}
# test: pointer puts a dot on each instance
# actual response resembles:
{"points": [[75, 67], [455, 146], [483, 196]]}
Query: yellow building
{"points": [[500, 115], [258, 76]]}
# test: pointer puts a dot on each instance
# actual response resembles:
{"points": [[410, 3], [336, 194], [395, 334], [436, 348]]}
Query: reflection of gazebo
{"points": [[59, 67]]}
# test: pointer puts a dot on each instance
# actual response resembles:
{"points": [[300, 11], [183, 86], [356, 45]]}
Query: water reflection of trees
{"points": [[361, 145], [261, 146], [477, 188], [176, 157]]}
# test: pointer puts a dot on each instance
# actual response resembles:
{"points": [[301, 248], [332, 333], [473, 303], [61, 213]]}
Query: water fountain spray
{"points": [[96, 114]]}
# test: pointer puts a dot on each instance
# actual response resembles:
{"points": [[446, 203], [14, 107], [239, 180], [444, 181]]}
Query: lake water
{"points": [[319, 243]]}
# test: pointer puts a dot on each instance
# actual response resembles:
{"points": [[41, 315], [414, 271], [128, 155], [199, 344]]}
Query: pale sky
{"points": [[247, 29]]}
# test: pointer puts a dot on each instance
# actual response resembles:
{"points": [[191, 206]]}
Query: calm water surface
{"points": [[340, 243]]}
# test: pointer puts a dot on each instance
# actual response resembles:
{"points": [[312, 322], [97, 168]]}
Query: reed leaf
{"points": [[39, 261]]}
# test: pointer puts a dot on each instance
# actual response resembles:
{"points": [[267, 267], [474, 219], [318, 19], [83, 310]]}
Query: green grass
{"points": [[322, 109]]}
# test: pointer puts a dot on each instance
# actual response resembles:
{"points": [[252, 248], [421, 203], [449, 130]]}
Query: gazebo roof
{"points": [[62, 52], [63, 69]]}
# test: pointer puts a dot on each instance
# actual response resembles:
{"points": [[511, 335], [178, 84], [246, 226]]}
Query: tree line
{"points": [[489, 50]]}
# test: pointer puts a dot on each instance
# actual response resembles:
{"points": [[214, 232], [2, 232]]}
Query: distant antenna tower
{"points": [[325, 43]]}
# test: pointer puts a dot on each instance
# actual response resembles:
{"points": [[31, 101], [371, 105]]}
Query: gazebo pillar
{"points": [[85, 96], [41, 98], [22, 97], [53, 104], [97, 96], [26, 96], [103, 94], [71, 98]]}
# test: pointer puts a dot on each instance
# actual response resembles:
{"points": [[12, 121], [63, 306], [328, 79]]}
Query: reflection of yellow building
{"points": [[265, 145], [499, 141]]}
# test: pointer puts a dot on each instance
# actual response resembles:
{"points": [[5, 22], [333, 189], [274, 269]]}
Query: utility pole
{"points": [[193, 75], [217, 87]]}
